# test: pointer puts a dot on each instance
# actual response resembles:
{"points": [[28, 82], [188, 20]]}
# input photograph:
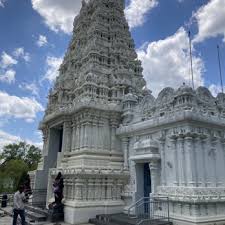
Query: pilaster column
{"points": [[100, 134], [198, 161], [78, 132], [45, 133], [79, 189], [73, 188], [175, 160], [91, 191], [189, 160], [81, 134], [95, 133], [66, 146], [125, 142], [181, 159], [154, 172], [86, 134], [113, 134], [74, 135], [98, 189], [163, 161], [204, 162], [223, 152], [109, 189], [213, 154]]}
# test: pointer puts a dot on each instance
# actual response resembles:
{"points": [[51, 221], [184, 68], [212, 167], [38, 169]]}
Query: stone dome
{"points": [[146, 91], [184, 89]]}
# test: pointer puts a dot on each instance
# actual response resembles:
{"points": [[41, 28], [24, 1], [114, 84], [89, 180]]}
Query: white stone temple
{"points": [[115, 143]]}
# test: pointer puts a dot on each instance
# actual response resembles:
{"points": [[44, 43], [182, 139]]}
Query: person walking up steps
{"points": [[18, 206]]}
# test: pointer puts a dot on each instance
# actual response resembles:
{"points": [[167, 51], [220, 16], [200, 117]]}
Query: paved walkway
{"points": [[6, 219]]}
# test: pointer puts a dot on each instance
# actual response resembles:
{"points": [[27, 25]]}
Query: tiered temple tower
{"points": [[85, 107]]}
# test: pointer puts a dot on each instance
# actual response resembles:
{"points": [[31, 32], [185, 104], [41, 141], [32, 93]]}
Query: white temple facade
{"points": [[115, 143]]}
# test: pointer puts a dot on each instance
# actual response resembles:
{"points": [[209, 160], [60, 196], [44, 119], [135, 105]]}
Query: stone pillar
{"points": [[86, 135], [83, 128], [163, 162], [74, 135], [109, 189], [74, 189], [125, 142], [189, 160], [175, 160], [81, 135], [94, 144], [98, 189], [66, 145], [78, 132], [223, 151], [213, 154], [113, 124], [45, 133], [204, 162], [181, 160], [154, 171], [100, 134], [198, 161], [79, 188]]}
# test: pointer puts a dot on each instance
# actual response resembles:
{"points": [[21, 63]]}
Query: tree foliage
{"points": [[30, 154], [16, 160]]}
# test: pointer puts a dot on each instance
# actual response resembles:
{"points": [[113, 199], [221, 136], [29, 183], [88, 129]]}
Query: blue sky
{"points": [[35, 35]]}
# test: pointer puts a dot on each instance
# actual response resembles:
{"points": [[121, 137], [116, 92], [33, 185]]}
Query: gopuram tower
{"points": [[99, 71]]}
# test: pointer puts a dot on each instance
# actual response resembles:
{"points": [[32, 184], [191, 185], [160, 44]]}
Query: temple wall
{"points": [[191, 169]]}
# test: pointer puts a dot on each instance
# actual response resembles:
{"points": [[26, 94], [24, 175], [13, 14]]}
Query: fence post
{"points": [[168, 209]]}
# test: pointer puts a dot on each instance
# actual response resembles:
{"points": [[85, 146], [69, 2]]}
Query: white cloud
{"points": [[8, 76], [7, 60], [53, 64], [19, 107], [42, 41], [211, 20], [20, 53], [215, 89], [136, 11], [32, 87], [2, 3], [58, 14], [166, 62], [6, 138]]}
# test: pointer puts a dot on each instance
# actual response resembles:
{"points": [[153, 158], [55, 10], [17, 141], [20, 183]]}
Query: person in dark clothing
{"points": [[27, 187], [58, 188]]}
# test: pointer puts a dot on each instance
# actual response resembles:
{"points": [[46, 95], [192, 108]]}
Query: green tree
{"points": [[30, 154], [15, 161]]}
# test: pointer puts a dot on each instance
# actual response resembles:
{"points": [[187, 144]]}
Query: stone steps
{"points": [[34, 214]]}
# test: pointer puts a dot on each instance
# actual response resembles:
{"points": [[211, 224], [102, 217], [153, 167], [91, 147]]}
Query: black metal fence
{"points": [[36, 198], [150, 209]]}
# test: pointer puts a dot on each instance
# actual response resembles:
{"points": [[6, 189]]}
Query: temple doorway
{"points": [[143, 180], [147, 186], [147, 180], [55, 146]]}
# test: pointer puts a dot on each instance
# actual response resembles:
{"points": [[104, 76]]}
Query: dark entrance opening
{"points": [[147, 186], [60, 140]]}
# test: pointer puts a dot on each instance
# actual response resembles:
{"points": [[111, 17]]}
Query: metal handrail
{"points": [[150, 208], [135, 204], [37, 197]]}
